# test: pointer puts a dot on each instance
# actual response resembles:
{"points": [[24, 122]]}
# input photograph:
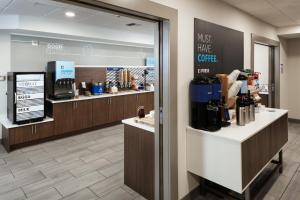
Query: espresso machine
{"points": [[205, 97], [60, 79]]}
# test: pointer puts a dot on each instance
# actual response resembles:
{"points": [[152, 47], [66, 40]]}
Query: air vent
{"points": [[133, 24]]}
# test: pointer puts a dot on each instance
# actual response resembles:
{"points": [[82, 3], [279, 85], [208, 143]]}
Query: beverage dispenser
{"points": [[205, 97], [60, 78]]}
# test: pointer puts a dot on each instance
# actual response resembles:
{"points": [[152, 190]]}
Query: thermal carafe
{"points": [[241, 112]]}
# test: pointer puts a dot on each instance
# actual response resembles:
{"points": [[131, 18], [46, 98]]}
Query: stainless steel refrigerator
{"points": [[26, 97]]}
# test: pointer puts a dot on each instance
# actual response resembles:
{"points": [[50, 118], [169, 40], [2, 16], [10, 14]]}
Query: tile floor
{"points": [[287, 185], [90, 167], [82, 167]]}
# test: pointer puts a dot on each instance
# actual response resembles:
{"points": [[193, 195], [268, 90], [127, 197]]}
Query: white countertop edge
{"points": [[240, 138], [131, 122], [105, 95], [8, 124]]}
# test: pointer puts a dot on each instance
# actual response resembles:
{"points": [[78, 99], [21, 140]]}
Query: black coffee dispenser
{"points": [[205, 97], [60, 78]]}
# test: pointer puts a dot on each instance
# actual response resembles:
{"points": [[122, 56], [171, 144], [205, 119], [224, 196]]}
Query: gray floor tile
{"points": [[96, 155], [112, 169], [76, 184], [22, 180], [84, 194], [49, 194], [61, 168], [115, 157], [40, 186], [119, 194], [106, 186], [90, 167], [17, 194], [293, 190]]}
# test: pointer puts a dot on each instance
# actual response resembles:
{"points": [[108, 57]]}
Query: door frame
{"points": [[166, 156], [274, 65]]}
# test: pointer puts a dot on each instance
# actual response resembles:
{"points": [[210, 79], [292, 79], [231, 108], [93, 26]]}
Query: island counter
{"points": [[139, 157], [234, 156]]}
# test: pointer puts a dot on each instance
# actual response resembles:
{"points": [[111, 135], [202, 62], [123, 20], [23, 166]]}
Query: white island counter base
{"points": [[234, 156]]}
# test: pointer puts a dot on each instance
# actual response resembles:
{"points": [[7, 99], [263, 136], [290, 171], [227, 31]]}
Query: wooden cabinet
{"points": [[29, 133], [132, 102], [130, 106], [146, 100], [23, 134], [44, 130], [82, 115], [100, 111], [63, 117], [116, 109], [72, 116], [139, 161]]}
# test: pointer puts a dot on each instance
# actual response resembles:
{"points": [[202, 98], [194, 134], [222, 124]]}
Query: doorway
{"points": [[265, 61], [165, 95]]}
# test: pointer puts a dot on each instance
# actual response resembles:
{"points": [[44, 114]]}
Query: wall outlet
{"points": [[2, 78]]}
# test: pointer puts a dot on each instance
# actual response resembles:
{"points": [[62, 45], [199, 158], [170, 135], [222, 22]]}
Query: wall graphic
{"points": [[217, 49]]}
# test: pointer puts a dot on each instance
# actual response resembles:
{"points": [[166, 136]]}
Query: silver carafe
{"points": [[252, 112], [241, 116], [247, 114]]}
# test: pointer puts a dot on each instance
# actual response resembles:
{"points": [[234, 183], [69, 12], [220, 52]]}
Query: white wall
{"points": [[284, 83], [5, 67], [293, 68], [217, 12]]}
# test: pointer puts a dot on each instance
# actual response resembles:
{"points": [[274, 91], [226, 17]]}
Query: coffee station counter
{"points": [[234, 156], [104, 95], [241, 133]]}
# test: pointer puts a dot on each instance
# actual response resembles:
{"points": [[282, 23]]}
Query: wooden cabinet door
{"points": [[23, 134], [100, 111], [44, 130], [63, 117], [131, 155], [82, 115], [116, 109], [130, 106], [146, 100], [146, 164]]}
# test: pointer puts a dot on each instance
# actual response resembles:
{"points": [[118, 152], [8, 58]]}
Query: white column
{"points": [[5, 67]]}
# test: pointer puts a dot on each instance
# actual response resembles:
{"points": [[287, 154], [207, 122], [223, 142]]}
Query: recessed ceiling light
{"points": [[70, 14]]}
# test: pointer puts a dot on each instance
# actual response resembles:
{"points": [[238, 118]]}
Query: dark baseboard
{"points": [[193, 194], [294, 120]]}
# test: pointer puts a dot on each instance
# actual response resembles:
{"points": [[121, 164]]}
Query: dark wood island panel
{"points": [[139, 160], [258, 150]]}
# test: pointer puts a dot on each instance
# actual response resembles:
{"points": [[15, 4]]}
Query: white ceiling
{"points": [[55, 10], [279, 13]]}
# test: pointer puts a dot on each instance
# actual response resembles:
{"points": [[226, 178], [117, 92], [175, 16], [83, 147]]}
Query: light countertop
{"points": [[132, 122], [241, 133], [8, 124], [105, 95]]}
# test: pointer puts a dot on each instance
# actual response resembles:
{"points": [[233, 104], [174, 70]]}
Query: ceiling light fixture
{"points": [[70, 14]]}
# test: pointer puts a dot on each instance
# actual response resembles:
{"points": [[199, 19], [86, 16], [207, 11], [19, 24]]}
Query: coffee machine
{"points": [[205, 97], [60, 78]]}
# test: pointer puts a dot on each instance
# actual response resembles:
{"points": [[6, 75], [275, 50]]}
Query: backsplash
{"points": [[112, 74]]}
